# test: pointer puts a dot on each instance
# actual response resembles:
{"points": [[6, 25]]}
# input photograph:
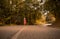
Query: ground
{"points": [[29, 32]]}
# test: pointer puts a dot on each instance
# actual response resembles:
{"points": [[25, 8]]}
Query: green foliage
{"points": [[14, 13], [53, 6]]}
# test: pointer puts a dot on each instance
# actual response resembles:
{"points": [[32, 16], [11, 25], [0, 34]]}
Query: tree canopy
{"points": [[14, 11]]}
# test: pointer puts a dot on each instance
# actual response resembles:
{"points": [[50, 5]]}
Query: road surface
{"points": [[29, 32]]}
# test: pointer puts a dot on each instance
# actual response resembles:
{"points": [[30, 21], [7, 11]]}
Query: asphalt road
{"points": [[29, 32]]}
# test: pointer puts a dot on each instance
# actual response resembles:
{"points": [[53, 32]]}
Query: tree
{"points": [[53, 6]]}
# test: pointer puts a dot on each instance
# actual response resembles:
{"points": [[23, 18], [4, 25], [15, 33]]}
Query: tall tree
{"points": [[54, 7]]}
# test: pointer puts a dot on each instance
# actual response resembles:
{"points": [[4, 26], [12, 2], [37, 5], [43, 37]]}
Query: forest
{"points": [[14, 12]]}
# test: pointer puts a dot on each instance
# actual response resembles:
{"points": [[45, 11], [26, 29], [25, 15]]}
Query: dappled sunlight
{"points": [[46, 21], [28, 12]]}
